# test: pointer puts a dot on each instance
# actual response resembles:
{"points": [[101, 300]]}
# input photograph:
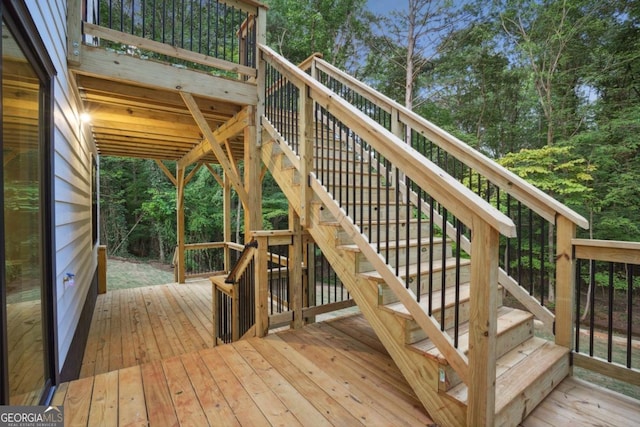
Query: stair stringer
{"points": [[421, 373]]}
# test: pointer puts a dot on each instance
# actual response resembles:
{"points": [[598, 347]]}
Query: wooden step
{"points": [[524, 377], [514, 327], [350, 180], [395, 254], [386, 195], [387, 296], [385, 230], [413, 332], [369, 210]]}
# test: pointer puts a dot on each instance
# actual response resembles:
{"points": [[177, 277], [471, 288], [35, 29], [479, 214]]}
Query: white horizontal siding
{"points": [[73, 148]]}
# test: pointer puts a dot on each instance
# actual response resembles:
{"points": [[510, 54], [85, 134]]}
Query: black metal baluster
{"points": [[610, 314]]}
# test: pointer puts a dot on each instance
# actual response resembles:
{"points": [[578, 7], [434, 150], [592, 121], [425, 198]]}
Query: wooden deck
{"points": [[162, 371]]}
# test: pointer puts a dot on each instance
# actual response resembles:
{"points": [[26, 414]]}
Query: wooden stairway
{"points": [[527, 368]]}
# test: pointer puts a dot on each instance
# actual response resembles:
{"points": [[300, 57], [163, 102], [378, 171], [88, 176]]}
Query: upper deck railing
{"points": [[207, 34]]}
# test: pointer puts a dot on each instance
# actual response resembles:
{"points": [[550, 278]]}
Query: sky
{"points": [[383, 6]]}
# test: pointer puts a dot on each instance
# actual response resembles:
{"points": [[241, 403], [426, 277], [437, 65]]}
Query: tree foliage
{"points": [[548, 88]]}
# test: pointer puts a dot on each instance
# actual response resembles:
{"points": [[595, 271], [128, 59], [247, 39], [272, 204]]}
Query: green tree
{"points": [[334, 28]]}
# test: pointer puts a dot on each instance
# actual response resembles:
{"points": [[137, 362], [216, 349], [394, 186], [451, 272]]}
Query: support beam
{"points": [[215, 147], [167, 172], [229, 129], [97, 62], [192, 173], [215, 174]]}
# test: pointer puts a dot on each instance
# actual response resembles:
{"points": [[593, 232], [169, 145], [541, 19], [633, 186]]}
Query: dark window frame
{"points": [[18, 19]]}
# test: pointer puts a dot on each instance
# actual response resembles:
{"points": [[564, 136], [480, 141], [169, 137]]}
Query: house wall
{"points": [[73, 152]]}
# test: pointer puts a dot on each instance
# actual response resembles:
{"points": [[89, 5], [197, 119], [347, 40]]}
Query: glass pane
{"points": [[22, 223]]}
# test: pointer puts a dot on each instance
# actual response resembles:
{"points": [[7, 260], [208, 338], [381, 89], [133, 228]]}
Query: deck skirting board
{"points": [[71, 368]]}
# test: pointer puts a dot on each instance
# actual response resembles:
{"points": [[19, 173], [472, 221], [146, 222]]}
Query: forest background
{"points": [[550, 89]]}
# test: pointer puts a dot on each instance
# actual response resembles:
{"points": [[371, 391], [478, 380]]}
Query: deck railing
{"points": [[204, 259], [207, 34], [533, 263], [418, 171], [606, 340], [233, 299]]}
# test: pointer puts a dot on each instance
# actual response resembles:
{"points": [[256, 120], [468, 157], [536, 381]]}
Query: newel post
{"points": [[483, 320], [262, 283], [305, 129], [565, 276]]}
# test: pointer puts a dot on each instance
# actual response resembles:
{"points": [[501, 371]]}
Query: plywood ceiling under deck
{"points": [[137, 119]]}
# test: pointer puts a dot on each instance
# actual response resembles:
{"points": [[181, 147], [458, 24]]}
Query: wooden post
{"points": [[252, 182], [214, 308], [310, 288], [262, 291], [102, 269], [235, 315], [226, 207], [180, 265], [74, 31], [483, 319], [305, 128], [565, 276], [295, 269]]}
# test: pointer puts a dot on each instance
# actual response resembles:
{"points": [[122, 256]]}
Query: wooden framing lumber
{"points": [[214, 146], [97, 62]]}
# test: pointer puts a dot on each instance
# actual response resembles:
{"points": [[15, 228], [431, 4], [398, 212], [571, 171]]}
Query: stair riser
{"points": [[526, 402], [505, 342], [348, 181], [413, 332], [383, 198], [395, 231], [388, 297], [368, 211], [340, 165], [398, 257]]}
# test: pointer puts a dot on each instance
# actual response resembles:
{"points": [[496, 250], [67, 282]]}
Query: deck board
{"points": [[330, 373]]}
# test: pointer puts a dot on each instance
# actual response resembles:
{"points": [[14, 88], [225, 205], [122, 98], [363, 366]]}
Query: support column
{"points": [[180, 185], [226, 233], [252, 182]]}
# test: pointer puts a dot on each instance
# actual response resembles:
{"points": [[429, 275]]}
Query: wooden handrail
{"points": [[455, 197], [241, 265], [607, 250], [540, 202]]}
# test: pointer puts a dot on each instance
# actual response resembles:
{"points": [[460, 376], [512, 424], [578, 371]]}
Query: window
{"points": [[26, 293]]}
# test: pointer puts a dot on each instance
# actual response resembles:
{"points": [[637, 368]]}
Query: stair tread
{"points": [[507, 318], [518, 369], [399, 309], [413, 268]]}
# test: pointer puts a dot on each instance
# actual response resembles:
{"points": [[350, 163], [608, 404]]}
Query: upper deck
{"points": [[134, 62]]}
